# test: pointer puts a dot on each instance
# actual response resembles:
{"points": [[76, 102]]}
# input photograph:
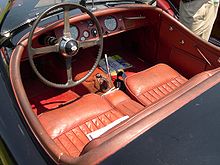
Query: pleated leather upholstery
{"points": [[123, 103], [74, 140], [69, 125], [152, 84]]}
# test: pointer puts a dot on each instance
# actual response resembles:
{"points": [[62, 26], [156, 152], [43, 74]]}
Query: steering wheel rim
{"points": [[58, 47]]}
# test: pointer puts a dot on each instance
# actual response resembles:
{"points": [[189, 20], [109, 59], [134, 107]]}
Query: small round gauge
{"points": [[86, 34], [74, 32], [82, 38], [110, 23]]}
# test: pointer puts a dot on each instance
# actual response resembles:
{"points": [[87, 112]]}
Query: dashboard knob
{"points": [[94, 32]]}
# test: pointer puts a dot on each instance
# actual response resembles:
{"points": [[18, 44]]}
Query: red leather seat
{"points": [[69, 125], [152, 84]]}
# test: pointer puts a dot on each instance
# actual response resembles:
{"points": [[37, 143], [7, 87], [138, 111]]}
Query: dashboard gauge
{"points": [[110, 23], [86, 34], [82, 38], [74, 32]]}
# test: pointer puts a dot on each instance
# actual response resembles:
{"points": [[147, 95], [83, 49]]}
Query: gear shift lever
{"points": [[108, 69], [101, 83]]}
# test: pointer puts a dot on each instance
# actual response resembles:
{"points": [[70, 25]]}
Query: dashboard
{"points": [[87, 29], [112, 22], [110, 25]]}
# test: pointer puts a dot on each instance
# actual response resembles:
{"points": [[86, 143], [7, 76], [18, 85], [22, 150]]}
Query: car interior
{"points": [[72, 119]]}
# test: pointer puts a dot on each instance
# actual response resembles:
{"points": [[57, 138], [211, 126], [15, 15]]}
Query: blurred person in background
{"points": [[199, 16]]}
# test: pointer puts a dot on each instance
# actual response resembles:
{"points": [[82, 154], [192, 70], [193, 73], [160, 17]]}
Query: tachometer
{"points": [[110, 23], [74, 32]]}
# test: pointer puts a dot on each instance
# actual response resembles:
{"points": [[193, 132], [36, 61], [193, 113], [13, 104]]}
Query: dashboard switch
{"points": [[94, 32]]}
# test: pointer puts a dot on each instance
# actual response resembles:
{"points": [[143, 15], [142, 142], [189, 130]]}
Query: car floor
{"points": [[44, 98]]}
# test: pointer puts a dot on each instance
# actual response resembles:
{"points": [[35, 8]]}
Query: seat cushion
{"points": [[152, 84], [69, 125], [123, 103]]}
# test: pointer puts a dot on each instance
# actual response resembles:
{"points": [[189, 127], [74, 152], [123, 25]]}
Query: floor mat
{"points": [[44, 98], [137, 64]]}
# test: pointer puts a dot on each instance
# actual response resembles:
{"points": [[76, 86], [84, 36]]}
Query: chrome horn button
{"points": [[68, 47]]}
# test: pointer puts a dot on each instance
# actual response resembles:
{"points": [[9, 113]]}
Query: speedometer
{"points": [[110, 23], [74, 32]]}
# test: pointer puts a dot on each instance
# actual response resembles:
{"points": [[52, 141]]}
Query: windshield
{"points": [[19, 11], [23, 10]]}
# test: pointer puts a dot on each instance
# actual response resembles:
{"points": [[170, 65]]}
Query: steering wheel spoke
{"points": [[69, 70], [46, 49], [89, 43], [66, 31]]}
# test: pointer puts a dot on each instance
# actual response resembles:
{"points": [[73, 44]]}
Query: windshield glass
{"points": [[23, 10]]}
